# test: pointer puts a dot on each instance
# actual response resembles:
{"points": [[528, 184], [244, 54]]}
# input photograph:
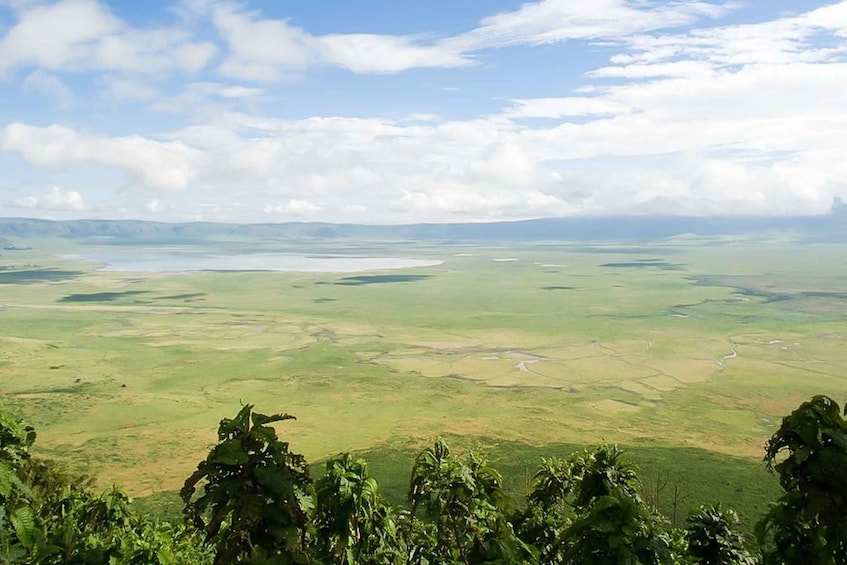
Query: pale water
{"points": [[168, 261]]}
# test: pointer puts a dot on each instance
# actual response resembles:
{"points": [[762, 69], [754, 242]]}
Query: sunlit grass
{"points": [[126, 375]]}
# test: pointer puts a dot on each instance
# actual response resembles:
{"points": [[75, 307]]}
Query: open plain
{"points": [[687, 351]]}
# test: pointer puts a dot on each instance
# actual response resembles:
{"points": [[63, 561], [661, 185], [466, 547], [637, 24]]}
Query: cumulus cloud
{"points": [[158, 164], [26, 202], [265, 49], [728, 119], [370, 53], [56, 199], [55, 35], [86, 35], [294, 207], [735, 119], [390, 170], [155, 206], [78, 35]]}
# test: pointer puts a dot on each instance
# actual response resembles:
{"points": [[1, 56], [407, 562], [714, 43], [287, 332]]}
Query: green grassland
{"points": [[688, 352]]}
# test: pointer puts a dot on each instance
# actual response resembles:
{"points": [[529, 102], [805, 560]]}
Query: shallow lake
{"points": [[169, 261]]}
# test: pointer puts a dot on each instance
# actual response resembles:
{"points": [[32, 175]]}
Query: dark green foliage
{"points": [[257, 497], [462, 501], [153, 543], [258, 505], [353, 522], [586, 509], [548, 512], [693, 476], [17, 522], [15, 440], [48, 515], [713, 538], [809, 522]]}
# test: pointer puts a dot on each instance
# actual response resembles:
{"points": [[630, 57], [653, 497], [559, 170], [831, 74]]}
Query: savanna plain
{"points": [[686, 352]]}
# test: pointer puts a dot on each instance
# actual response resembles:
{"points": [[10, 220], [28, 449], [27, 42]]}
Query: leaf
{"points": [[229, 452], [262, 419], [23, 523]]}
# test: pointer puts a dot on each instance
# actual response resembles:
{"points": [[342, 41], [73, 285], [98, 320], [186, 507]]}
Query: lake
{"points": [[170, 261]]}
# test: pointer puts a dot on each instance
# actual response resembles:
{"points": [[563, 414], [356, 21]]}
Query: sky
{"points": [[387, 112]]}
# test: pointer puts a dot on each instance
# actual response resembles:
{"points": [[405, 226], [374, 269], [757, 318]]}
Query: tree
{"points": [[17, 521], [712, 537], [809, 522], [611, 523], [462, 500], [48, 515], [353, 523], [257, 498], [548, 512]]}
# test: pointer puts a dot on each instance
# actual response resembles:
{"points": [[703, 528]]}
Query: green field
{"points": [[687, 352]]}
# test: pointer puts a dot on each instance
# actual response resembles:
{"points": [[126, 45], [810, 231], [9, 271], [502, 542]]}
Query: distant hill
{"points": [[831, 227]]}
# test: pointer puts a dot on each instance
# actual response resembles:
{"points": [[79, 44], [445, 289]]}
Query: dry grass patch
{"points": [[663, 383], [609, 406]]}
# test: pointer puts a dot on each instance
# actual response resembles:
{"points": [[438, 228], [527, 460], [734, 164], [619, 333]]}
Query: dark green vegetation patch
{"points": [[37, 276], [646, 264], [187, 296], [380, 279], [101, 296]]}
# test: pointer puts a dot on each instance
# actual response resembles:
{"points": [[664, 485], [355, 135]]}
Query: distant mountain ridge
{"points": [[831, 227]]}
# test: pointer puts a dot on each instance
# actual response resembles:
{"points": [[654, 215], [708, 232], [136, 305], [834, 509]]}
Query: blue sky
{"points": [[377, 111]]}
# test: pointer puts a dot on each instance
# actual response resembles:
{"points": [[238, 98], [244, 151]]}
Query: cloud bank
{"points": [[689, 111]]}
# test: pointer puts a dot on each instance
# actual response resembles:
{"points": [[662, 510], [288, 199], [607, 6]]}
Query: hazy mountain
{"points": [[827, 228]]}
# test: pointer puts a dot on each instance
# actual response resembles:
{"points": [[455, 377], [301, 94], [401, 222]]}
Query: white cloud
{"points": [[209, 97], [726, 119], [564, 107], [369, 53], [85, 35], [162, 165], [56, 199], [787, 40], [390, 170], [56, 35], [78, 35], [19, 5], [551, 21], [655, 70], [155, 206], [261, 49], [239, 92], [130, 89], [48, 85], [355, 209], [269, 50], [294, 207], [732, 119], [27, 202]]}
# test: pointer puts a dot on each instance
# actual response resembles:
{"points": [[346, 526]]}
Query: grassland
{"points": [[687, 350]]}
